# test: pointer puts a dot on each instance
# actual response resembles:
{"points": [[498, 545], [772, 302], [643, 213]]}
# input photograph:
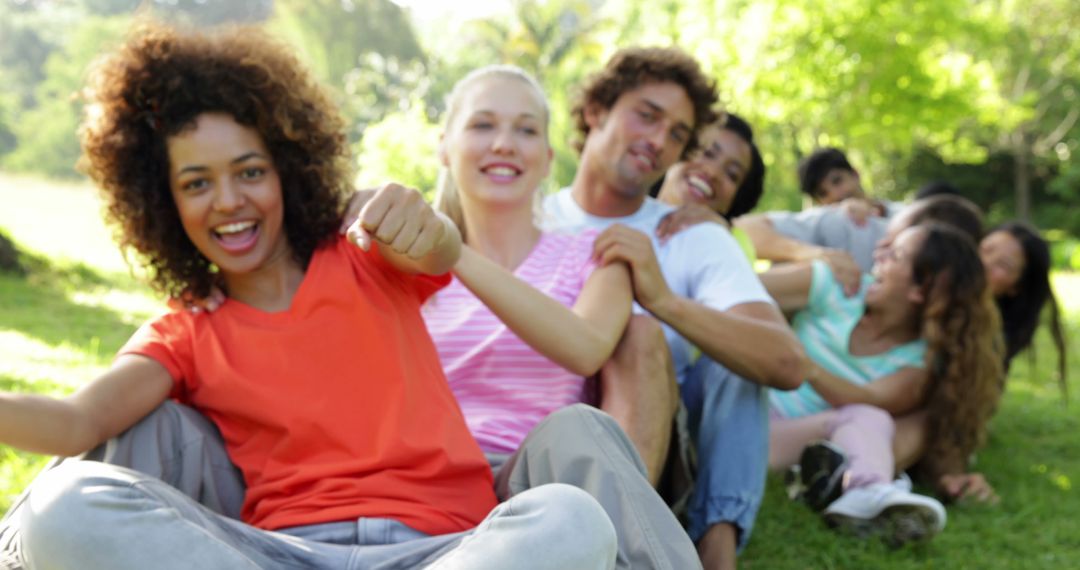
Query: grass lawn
{"points": [[60, 326]]}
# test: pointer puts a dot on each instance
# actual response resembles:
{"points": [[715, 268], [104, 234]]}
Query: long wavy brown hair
{"points": [[154, 86], [961, 327]]}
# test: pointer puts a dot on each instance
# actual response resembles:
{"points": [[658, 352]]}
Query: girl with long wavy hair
{"points": [[920, 333]]}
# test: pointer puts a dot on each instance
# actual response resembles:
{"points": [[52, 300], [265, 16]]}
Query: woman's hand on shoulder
{"points": [[968, 486], [685, 216], [194, 304]]}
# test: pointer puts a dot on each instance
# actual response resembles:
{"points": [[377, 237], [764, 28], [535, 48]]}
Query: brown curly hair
{"points": [[631, 68], [962, 328], [154, 86]]}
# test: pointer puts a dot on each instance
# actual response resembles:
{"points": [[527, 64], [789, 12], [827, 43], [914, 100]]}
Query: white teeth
{"points": [[501, 171], [701, 185], [235, 227]]}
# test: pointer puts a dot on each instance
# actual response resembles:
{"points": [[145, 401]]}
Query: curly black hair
{"points": [[631, 68], [154, 87]]}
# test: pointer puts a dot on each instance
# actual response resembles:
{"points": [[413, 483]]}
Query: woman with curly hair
{"points": [[223, 165], [920, 332]]}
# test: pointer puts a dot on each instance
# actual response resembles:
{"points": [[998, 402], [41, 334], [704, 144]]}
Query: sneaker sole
{"points": [[895, 526]]}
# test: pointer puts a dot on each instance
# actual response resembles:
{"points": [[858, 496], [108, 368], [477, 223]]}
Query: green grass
{"points": [[61, 325]]}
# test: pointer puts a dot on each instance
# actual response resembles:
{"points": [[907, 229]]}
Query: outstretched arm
{"points": [[580, 340], [115, 401], [408, 232]]}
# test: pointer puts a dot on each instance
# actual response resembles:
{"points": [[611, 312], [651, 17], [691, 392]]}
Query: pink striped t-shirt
{"points": [[505, 387]]}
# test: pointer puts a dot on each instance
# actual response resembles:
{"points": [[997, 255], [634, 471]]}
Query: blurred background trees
{"points": [[982, 93]]}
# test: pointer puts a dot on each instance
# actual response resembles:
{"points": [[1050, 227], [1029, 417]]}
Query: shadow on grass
{"points": [[38, 305]]}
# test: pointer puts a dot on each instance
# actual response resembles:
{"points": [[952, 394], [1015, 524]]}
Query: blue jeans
{"points": [[729, 425]]}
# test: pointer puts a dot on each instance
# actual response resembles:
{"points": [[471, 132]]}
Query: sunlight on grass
{"points": [[136, 308], [61, 220], [34, 361]]}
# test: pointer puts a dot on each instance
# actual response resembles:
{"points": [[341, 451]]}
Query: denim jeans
{"points": [[729, 426]]}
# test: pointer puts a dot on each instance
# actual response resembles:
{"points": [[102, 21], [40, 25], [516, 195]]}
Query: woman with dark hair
{"points": [[1017, 261], [223, 164], [919, 334], [721, 180]]}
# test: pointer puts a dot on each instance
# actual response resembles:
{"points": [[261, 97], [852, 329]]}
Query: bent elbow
{"points": [[789, 368], [585, 364]]}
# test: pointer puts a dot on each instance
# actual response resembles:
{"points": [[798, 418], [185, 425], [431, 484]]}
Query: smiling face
{"points": [[712, 176], [635, 141], [496, 145], [1003, 257], [893, 271], [838, 185], [227, 194]]}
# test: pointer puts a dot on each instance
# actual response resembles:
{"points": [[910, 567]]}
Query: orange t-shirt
{"points": [[336, 408]]}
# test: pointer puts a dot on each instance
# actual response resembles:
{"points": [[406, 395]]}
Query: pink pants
{"points": [[864, 432]]}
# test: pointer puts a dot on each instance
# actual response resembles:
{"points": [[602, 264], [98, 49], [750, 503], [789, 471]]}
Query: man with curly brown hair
{"points": [[637, 117]]}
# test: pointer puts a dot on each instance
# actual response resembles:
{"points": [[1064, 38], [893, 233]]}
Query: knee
{"points": [[61, 512], [865, 417], [575, 417], [573, 520], [643, 341]]}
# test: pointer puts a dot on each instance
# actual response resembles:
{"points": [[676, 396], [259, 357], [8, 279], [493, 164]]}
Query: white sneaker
{"points": [[887, 510]]}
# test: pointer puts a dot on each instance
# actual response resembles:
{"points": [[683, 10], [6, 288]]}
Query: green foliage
{"points": [[400, 148], [332, 35], [45, 133]]}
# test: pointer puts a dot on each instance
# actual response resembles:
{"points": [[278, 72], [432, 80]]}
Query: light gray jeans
{"points": [[175, 505], [578, 446]]}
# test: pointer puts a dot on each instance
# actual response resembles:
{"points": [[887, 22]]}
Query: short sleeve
{"points": [[720, 276], [823, 286], [168, 340], [583, 247], [420, 285]]}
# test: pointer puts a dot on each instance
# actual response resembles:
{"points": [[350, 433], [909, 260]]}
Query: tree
{"points": [[46, 133]]}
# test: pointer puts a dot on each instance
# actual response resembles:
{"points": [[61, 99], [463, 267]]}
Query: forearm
{"points": [[771, 244], [760, 348], [41, 424], [543, 323], [789, 285]]}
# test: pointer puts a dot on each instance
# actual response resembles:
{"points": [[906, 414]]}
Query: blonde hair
{"points": [[447, 199]]}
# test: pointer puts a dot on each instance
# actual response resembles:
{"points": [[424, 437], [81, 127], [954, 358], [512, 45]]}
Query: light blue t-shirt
{"points": [[702, 263], [824, 328]]}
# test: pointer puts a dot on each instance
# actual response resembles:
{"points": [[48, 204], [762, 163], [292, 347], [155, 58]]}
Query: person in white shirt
{"points": [[637, 117]]}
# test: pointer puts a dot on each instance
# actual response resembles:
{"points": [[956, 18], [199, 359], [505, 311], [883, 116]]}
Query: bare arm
{"points": [[772, 245], [789, 284], [752, 339], [580, 340], [115, 401], [897, 393], [410, 235]]}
